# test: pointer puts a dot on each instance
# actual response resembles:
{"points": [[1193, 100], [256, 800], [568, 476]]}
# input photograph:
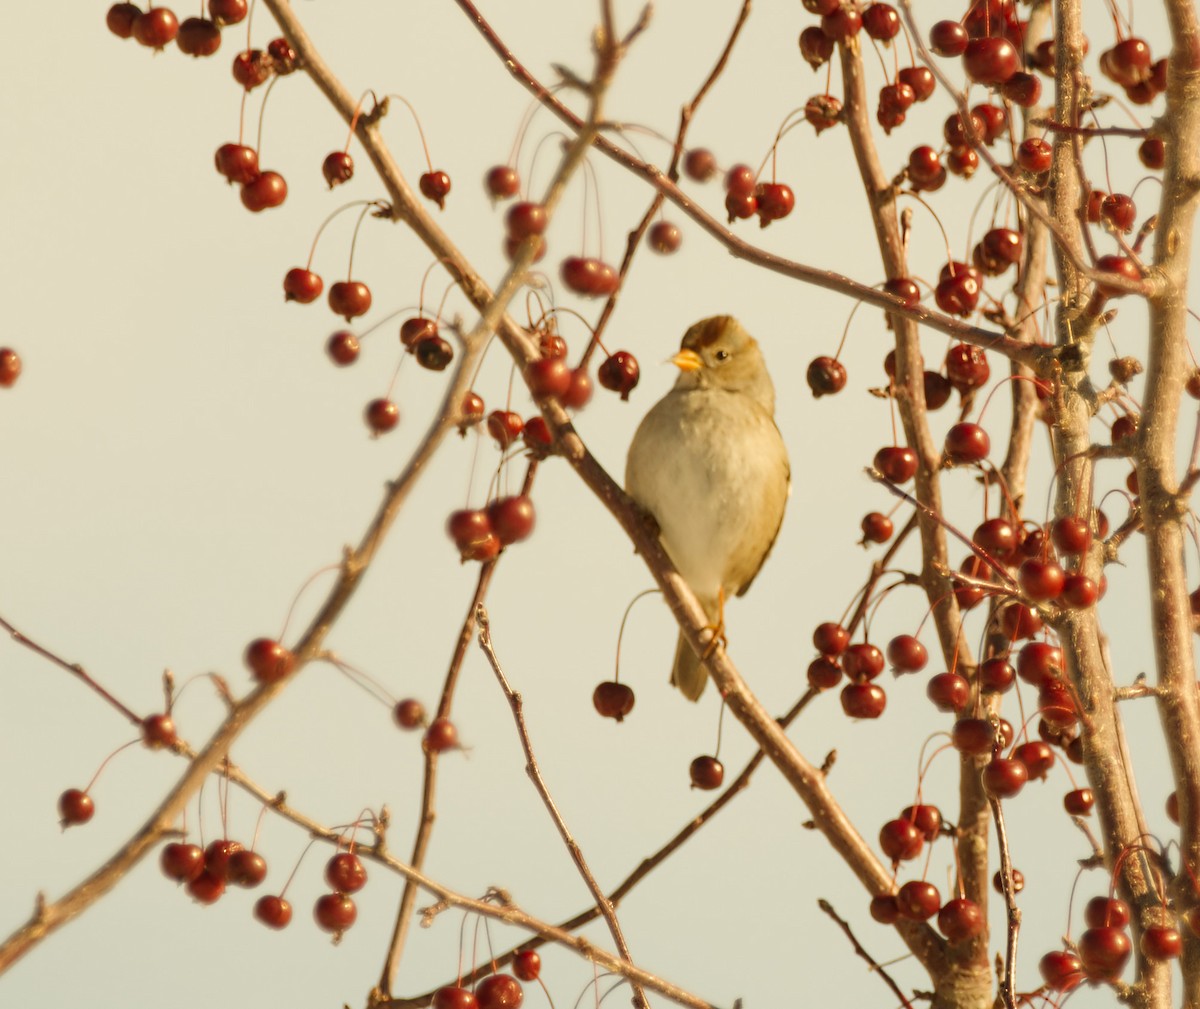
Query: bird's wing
{"points": [[787, 469]]}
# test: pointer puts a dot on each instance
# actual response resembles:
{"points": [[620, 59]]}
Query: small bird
{"points": [[708, 463]]}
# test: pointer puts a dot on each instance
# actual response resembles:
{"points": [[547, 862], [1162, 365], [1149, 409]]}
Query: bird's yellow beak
{"points": [[687, 360]]}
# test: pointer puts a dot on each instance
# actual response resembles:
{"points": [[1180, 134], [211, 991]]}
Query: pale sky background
{"points": [[180, 456]]}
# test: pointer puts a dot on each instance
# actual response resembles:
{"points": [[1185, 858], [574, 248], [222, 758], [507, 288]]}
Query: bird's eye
{"points": [[722, 355]]}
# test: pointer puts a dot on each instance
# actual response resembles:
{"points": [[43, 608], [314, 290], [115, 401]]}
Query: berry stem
{"points": [[104, 763], [296, 598], [420, 130], [621, 632]]}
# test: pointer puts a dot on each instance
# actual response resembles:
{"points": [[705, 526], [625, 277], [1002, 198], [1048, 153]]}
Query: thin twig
{"points": [[1013, 913], [428, 814], [535, 775], [876, 967], [74, 668]]}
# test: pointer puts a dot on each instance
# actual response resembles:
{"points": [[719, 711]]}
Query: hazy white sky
{"points": [[180, 456]]}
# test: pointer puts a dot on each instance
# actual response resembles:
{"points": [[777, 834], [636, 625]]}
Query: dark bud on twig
{"points": [[1124, 368]]}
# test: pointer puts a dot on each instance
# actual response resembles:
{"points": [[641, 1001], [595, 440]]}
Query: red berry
{"points": [[918, 900], [863, 700], [266, 190], [181, 862], [1041, 580], [246, 868], [949, 692], [217, 857], [967, 367], [381, 415], [301, 285], [881, 21], [1106, 912], [334, 912], [440, 736], [156, 27], [10, 367], [973, 736], [579, 394], [967, 443], [612, 700], [830, 638], [1061, 969], [227, 12], [206, 888], [1004, 777], [272, 911], [862, 661], [884, 909], [824, 672], [1104, 952], [815, 46], [454, 998], [948, 38], [283, 56], [1152, 153], [1161, 943], [1034, 155], [342, 347], [901, 840], [706, 773], [435, 186], [961, 919], [434, 353], [198, 37], [920, 79], [1119, 211], [158, 731], [619, 373], [338, 167], [991, 60], [1023, 89], [511, 518], [1079, 801], [826, 376], [120, 19], [700, 164], [876, 528], [664, 237], [409, 713], [250, 68], [349, 298], [525, 219], [774, 201], [527, 965], [928, 819], [505, 426], [897, 463], [842, 23], [996, 675], [499, 991], [1038, 758], [345, 872], [502, 182], [907, 654], [268, 660], [237, 163], [1122, 266]]}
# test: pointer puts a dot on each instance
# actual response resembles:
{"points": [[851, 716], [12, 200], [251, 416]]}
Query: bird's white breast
{"points": [[704, 474]]}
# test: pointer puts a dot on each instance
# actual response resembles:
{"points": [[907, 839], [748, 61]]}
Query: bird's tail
{"points": [[688, 672]]}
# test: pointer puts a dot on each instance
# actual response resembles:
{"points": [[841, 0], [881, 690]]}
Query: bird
{"points": [[709, 465]]}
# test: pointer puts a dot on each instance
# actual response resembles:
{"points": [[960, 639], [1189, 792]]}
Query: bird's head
{"points": [[718, 353]]}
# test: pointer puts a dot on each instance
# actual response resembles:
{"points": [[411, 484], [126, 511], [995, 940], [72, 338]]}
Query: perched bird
{"points": [[708, 463]]}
